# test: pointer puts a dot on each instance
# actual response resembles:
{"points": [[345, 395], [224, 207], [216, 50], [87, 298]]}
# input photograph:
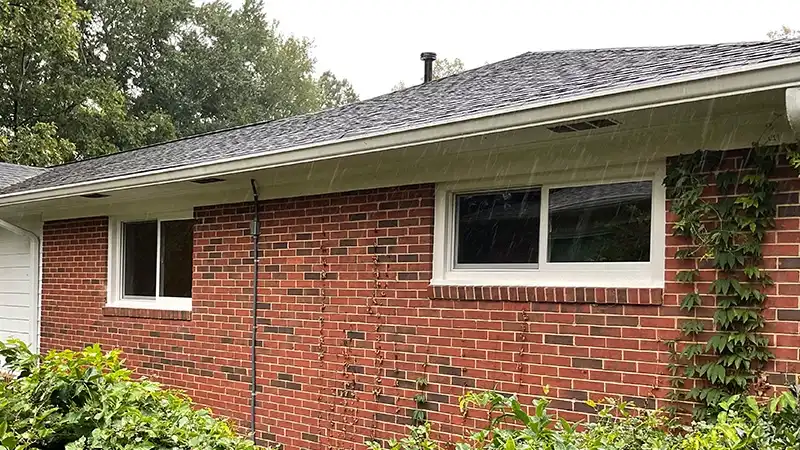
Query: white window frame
{"points": [[116, 297], [549, 274]]}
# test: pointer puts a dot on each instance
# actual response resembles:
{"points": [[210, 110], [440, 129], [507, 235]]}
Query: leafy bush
{"points": [[87, 399], [742, 424]]}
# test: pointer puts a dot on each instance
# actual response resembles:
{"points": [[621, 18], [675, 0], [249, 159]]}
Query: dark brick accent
{"points": [[448, 370], [789, 314], [279, 330], [355, 369], [285, 385], [438, 398], [462, 381], [385, 399], [356, 335], [789, 211], [380, 417], [559, 339], [789, 263], [587, 363]]}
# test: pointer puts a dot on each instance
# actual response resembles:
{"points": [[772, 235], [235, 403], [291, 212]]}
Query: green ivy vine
{"points": [[418, 414], [725, 352]]}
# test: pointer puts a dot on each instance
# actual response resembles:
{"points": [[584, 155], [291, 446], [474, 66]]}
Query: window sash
{"points": [[557, 274], [116, 288], [456, 232], [544, 229]]}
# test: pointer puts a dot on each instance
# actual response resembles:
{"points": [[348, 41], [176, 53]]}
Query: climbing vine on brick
{"points": [[724, 232]]}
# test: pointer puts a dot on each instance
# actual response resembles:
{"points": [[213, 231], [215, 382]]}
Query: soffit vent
{"points": [[583, 125], [208, 180], [94, 195]]}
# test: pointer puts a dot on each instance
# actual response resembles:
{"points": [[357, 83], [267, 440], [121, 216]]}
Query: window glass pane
{"points": [[498, 227], [139, 256], [176, 258], [601, 223]]}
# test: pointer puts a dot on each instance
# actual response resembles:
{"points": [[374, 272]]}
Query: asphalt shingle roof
{"points": [[14, 173], [527, 79]]}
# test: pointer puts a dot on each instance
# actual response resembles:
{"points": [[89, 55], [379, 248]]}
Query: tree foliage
{"points": [[35, 38], [89, 78], [784, 33]]}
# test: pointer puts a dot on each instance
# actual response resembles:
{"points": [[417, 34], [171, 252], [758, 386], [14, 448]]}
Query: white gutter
{"points": [[704, 86], [35, 291]]}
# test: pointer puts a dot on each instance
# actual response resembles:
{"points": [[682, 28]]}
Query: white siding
{"points": [[17, 288]]}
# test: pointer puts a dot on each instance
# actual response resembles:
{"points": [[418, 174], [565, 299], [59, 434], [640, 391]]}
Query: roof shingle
{"points": [[13, 173], [523, 80]]}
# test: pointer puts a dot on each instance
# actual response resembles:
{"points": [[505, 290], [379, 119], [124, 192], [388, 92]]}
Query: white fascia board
{"points": [[708, 85]]}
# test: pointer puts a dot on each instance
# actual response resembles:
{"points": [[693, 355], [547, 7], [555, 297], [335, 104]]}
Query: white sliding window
{"points": [[604, 233]]}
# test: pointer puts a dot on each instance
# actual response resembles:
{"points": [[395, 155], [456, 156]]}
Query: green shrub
{"points": [[742, 424], [87, 399]]}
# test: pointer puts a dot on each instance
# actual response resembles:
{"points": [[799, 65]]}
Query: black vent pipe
{"points": [[429, 58], [255, 231]]}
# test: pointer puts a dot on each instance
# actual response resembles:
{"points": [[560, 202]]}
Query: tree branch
{"points": [[36, 117]]}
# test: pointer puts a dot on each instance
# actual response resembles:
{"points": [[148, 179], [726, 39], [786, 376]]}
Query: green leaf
{"points": [[724, 261], [519, 413], [690, 301], [687, 276], [692, 327], [721, 286], [725, 180]]}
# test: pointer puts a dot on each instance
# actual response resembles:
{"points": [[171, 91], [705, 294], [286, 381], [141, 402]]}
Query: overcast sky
{"points": [[376, 43]]}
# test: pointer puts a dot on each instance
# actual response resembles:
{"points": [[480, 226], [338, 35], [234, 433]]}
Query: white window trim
{"points": [[115, 296], [602, 275]]}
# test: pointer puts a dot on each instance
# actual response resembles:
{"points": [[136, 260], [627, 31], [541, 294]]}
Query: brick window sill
{"points": [[163, 314], [613, 296]]}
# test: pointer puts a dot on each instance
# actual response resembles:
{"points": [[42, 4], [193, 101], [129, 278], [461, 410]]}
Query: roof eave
{"points": [[722, 83]]}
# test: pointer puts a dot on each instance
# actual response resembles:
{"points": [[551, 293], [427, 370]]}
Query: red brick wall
{"points": [[348, 321], [195, 352]]}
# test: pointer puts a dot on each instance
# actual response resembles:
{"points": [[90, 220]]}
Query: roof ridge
{"points": [[25, 166], [668, 47]]}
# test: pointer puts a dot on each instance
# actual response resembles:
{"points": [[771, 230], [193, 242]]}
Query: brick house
{"points": [[502, 228]]}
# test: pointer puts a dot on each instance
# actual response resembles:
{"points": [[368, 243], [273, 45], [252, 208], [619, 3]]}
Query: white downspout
{"points": [[793, 109], [34, 239]]}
